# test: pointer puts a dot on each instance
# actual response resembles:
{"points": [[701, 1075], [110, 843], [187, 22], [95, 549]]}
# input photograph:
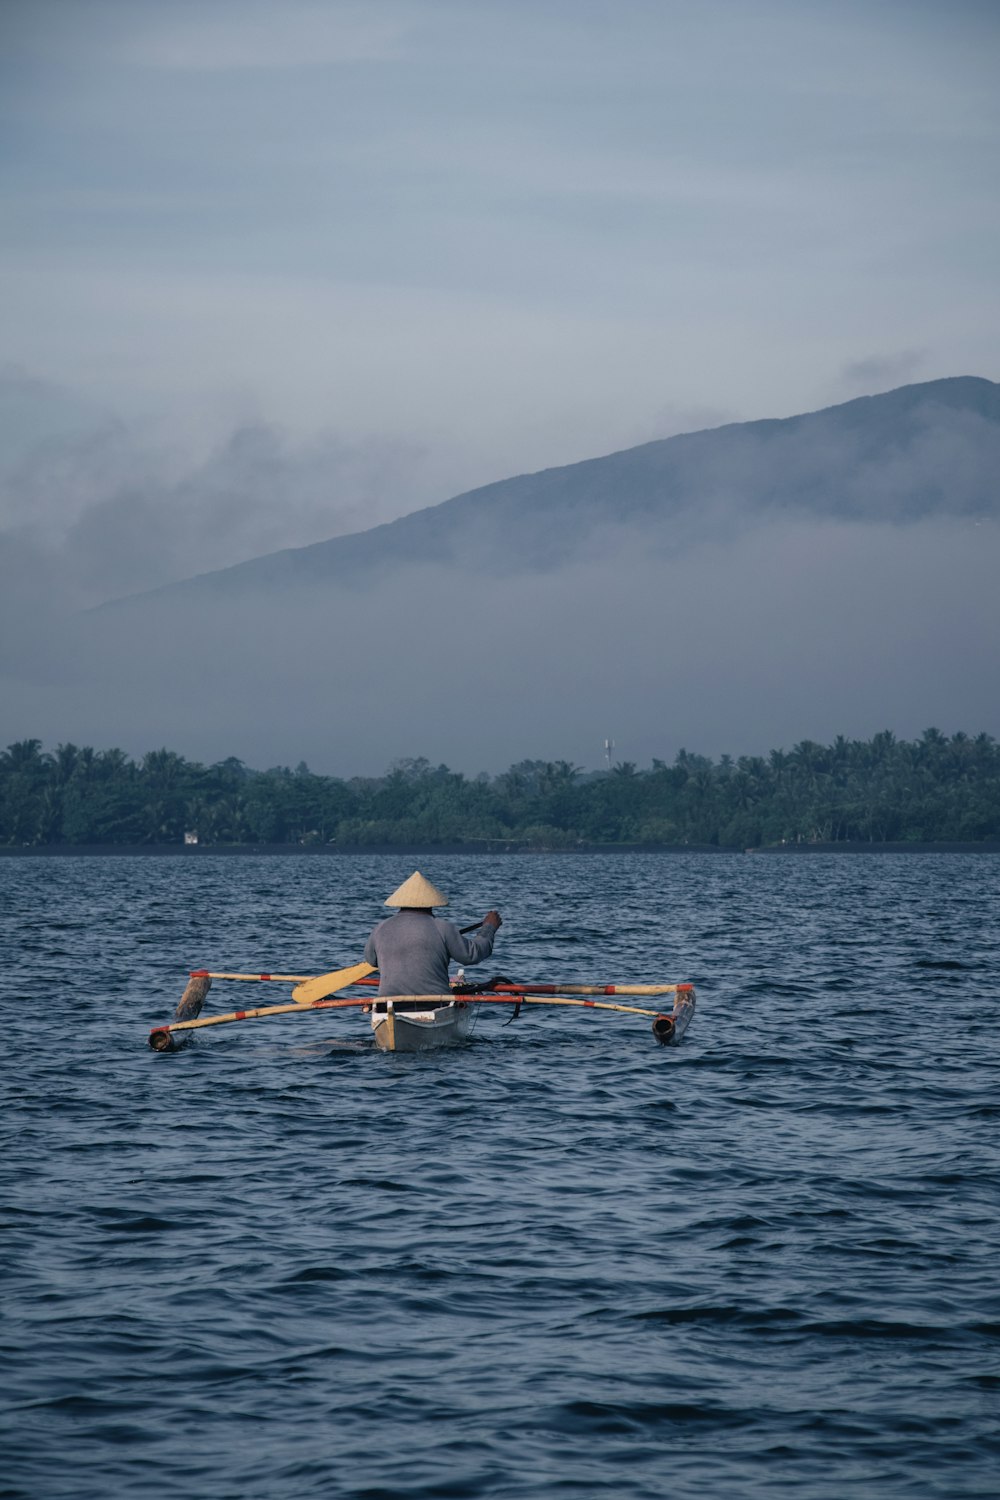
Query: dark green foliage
{"points": [[936, 789]]}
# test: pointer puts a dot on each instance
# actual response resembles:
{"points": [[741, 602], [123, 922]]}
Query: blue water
{"points": [[558, 1261]]}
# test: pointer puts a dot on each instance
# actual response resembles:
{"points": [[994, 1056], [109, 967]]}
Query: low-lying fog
{"points": [[791, 630]]}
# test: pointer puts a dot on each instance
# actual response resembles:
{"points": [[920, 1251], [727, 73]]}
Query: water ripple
{"points": [[558, 1261]]}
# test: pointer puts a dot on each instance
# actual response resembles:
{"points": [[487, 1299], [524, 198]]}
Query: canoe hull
{"points": [[397, 1029]]}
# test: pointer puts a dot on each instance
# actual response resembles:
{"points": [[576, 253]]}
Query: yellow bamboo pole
{"points": [[527, 989], [308, 987], [159, 1036], [591, 989], [515, 996], [280, 978], [624, 989], [169, 1027], [518, 998]]}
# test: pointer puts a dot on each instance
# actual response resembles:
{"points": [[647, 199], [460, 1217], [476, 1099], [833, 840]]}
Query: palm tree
{"points": [[25, 757], [66, 758]]}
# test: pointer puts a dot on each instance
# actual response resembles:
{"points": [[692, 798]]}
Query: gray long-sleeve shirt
{"points": [[411, 952]]}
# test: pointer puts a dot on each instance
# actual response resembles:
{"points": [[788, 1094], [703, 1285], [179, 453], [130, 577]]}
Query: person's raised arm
{"points": [[480, 946]]}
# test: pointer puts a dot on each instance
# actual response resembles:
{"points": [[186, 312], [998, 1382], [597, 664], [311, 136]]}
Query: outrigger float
{"points": [[418, 1023]]}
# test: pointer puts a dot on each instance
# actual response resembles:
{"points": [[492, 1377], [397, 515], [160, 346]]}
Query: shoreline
{"points": [[474, 847]]}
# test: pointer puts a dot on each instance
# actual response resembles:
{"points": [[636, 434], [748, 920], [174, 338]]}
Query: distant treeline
{"points": [[935, 789]]}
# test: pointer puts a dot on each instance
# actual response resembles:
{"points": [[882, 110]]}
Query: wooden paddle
{"points": [[339, 979], [328, 984]]}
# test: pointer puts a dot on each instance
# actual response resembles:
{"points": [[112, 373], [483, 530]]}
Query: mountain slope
{"points": [[738, 588], [922, 450]]}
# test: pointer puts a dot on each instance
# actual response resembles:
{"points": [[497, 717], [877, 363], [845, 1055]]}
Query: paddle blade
{"points": [[329, 984]]}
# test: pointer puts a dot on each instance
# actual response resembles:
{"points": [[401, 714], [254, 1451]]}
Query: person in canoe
{"points": [[411, 950]]}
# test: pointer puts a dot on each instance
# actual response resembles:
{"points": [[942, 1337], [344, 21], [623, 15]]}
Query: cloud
{"points": [[673, 417], [33, 411], [308, 35], [877, 371], [205, 37], [258, 492], [798, 629], [120, 507], [645, 206]]}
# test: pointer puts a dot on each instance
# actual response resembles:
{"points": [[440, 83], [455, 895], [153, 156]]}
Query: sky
{"points": [[274, 272]]}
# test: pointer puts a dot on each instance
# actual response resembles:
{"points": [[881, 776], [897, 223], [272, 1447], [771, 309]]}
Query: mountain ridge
{"points": [[918, 450]]}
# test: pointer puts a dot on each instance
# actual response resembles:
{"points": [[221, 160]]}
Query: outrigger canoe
{"points": [[420, 1023]]}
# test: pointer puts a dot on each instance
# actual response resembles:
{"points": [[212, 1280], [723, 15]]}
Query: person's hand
{"points": [[494, 918]]}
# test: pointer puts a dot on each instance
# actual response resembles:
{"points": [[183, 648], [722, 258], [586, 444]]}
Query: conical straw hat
{"points": [[417, 891]]}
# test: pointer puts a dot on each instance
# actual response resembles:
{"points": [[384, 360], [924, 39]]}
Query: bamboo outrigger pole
{"points": [[279, 978], [666, 1028], [505, 985], [307, 986], [519, 997], [160, 1037], [509, 987]]}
